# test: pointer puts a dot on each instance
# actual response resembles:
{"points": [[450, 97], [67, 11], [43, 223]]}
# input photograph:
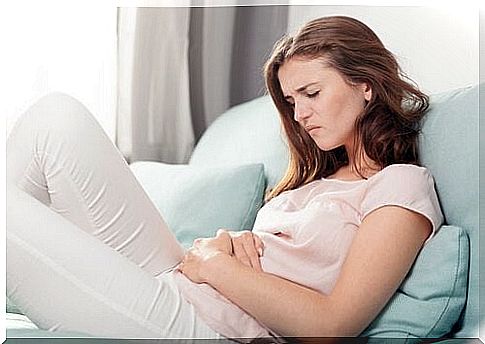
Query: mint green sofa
{"points": [[242, 154]]}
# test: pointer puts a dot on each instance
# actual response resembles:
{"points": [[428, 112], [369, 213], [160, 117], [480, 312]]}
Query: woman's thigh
{"points": [[65, 279], [59, 154]]}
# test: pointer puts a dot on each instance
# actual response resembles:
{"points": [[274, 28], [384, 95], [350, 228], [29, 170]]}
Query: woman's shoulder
{"points": [[404, 168], [402, 173], [401, 181], [405, 185]]}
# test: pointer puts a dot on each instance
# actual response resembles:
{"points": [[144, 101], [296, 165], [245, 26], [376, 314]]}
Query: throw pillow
{"points": [[431, 298], [195, 201]]}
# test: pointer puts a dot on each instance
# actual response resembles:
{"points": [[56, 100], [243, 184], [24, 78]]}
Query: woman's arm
{"points": [[381, 254]]}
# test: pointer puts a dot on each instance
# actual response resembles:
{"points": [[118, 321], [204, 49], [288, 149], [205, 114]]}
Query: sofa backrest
{"points": [[449, 148], [247, 133], [250, 133]]}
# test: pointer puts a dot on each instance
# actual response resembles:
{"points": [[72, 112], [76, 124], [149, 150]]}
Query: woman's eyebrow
{"points": [[301, 89]]}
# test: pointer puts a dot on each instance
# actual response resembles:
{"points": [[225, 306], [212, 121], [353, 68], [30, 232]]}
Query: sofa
{"points": [[243, 154]]}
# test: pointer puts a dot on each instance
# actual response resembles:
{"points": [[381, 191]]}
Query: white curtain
{"points": [[154, 119], [180, 68]]}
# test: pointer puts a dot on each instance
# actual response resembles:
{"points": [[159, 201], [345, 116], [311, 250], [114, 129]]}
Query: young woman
{"points": [[332, 244]]}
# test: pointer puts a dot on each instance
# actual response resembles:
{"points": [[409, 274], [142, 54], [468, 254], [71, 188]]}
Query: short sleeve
{"points": [[407, 186]]}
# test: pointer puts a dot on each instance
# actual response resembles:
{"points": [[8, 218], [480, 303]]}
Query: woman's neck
{"points": [[364, 167]]}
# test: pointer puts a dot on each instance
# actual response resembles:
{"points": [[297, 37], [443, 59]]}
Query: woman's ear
{"points": [[367, 91]]}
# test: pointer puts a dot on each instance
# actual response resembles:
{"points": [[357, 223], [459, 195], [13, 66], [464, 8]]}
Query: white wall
{"points": [[59, 45], [436, 46]]}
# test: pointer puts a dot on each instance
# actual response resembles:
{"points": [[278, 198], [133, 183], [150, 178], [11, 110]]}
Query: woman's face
{"points": [[324, 103]]}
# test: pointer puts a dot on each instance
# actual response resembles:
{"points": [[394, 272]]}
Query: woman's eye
{"points": [[313, 95]]}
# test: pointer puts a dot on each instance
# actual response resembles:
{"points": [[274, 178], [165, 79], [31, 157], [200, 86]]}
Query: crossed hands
{"points": [[244, 246]]}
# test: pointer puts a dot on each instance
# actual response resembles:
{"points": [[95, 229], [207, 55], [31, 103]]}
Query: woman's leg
{"points": [[59, 154], [72, 202], [65, 279]]}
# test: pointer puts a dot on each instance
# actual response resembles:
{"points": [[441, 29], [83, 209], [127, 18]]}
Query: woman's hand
{"points": [[196, 262], [247, 247]]}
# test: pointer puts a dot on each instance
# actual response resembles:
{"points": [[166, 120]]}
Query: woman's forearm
{"points": [[285, 307]]}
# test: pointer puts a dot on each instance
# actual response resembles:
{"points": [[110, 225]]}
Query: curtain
{"points": [[180, 68], [154, 121], [229, 46]]}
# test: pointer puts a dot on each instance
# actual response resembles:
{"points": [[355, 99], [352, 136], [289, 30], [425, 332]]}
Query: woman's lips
{"points": [[311, 128]]}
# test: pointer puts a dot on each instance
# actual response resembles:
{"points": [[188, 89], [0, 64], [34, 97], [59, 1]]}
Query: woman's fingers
{"points": [[221, 242], [246, 248], [258, 243], [221, 232], [240, 252], [248, 243]]}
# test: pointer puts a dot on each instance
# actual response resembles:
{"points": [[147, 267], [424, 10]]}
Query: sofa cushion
{"points": [[19, 326], [245, 134], [11, 307], [449, 148], [431, 298], [19, 321], [195, 201]]}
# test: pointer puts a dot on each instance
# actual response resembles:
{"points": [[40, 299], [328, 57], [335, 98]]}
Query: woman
{"points": [[330, 247]]}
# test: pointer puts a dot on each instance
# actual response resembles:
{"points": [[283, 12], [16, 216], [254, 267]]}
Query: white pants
{"points": [[86, 248]]}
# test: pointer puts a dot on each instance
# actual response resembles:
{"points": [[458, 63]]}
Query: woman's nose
{"points": [[302, 111]]}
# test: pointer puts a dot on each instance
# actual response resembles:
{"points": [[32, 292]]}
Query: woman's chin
{"points": [[326, 147]]}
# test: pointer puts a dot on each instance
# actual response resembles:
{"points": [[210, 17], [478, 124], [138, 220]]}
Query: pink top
{"points": [[317, 223]]}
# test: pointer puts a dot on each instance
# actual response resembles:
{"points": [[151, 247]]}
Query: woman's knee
{"points": [[61, 113]]}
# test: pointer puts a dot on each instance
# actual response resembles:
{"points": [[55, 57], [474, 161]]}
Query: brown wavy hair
{"points": [[387, 129]]}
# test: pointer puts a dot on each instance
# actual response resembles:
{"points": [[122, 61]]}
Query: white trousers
{"points": [[87, 250]]}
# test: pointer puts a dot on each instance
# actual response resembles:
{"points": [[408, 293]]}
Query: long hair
{"points": [[387, 129]]}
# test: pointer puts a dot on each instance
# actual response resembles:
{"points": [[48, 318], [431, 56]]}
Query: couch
{"points": [[243, 154]]}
